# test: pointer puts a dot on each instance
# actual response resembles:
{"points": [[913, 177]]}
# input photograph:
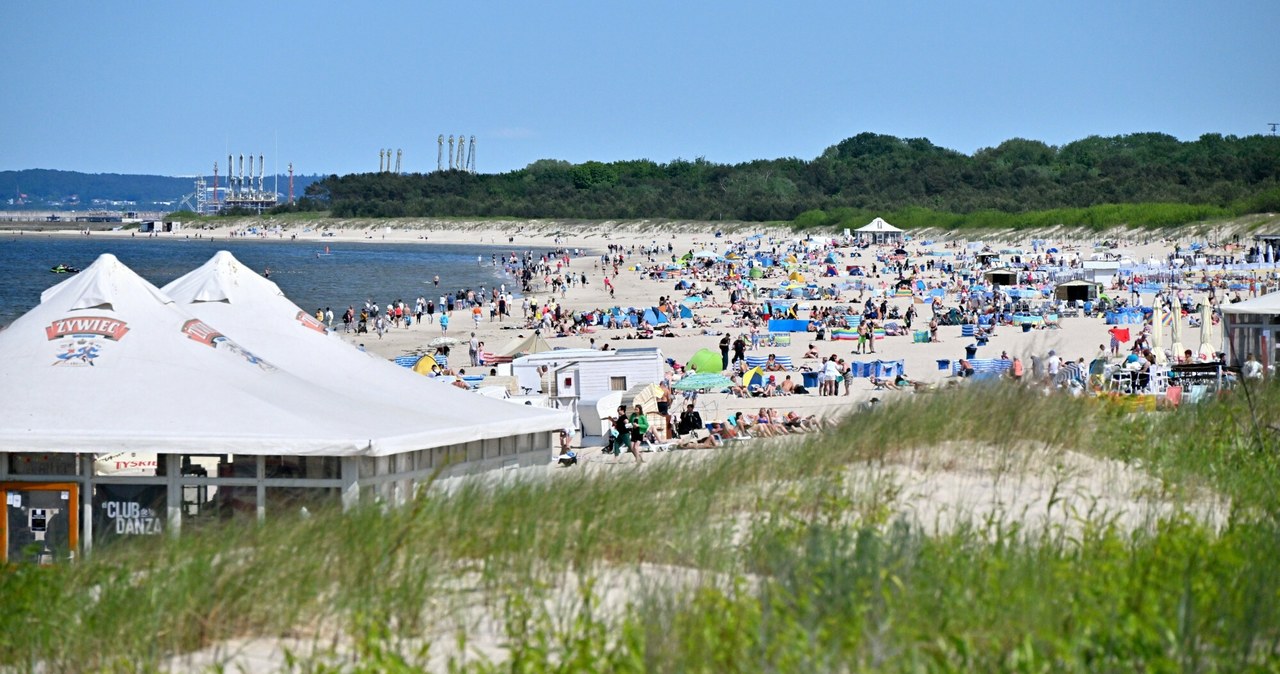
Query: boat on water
{"points": [[63, 269]]}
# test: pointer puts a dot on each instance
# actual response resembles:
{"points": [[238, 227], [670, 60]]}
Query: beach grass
{"points": [[792, 556]]}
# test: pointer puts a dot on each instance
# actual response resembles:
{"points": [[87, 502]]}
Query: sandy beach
{"points": [[939, 488], [1076, 338]]}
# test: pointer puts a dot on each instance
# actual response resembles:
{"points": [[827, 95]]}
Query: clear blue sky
{"points": [[168, 87]]}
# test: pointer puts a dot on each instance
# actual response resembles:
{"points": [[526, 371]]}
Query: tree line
{"points": [[1142, 179]]}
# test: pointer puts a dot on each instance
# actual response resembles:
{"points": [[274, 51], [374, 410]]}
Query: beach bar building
{"points": [[879, 232], [1252, 326], [122, 414]]}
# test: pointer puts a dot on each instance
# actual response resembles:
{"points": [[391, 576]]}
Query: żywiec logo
{"points": [[201, 332], [84, 326], [309, 321]]}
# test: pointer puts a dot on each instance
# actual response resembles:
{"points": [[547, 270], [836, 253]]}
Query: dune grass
{"points": [[768, 559]]}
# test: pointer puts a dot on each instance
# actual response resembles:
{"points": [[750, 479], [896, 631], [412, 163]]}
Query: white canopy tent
{"points": [[226, 293], [207, 428], [1252, 326], [107, 363], [1267, 305]]}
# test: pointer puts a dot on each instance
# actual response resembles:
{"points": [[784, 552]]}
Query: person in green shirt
{"points": [[639, 427]]}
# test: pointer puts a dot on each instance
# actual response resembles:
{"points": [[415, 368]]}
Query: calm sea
{"points": [[350, 274]]}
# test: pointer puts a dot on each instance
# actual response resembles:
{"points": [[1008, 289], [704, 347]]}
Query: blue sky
{"points": [[170, 87]]}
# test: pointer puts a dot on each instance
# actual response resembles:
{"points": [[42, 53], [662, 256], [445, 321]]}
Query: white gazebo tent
{"points": [[106, 364], [879, 232], [1252, 326], [226, 293]]}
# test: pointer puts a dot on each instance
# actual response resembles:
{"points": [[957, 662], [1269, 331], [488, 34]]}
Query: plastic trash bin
{"points": [[1026, 327], [944, 364], [971, 351], [810, 379]]}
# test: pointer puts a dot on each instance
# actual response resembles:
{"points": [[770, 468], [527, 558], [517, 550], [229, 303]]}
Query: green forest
{"points": [[1143, 179]]}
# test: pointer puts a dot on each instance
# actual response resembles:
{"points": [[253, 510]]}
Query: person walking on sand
{"points": [[621, 432], [639, 427], [444, 324]]}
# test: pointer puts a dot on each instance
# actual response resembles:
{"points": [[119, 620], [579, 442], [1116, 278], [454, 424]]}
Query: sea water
{"points": [[348, 275]]}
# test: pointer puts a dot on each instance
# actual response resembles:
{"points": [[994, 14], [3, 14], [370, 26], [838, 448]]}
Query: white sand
{"points": [[1078, 338]]}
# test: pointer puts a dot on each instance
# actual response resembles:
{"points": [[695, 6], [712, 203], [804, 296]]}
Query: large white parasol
{"points": [[1206, 326], [1157, 334]]}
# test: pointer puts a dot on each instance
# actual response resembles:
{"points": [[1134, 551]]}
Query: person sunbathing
{"points": [[771, 387], [793, 422], [740, 423], [789, 387], [812, 353], [699, 440], [763, 427], [775, 420], [723, 431]]}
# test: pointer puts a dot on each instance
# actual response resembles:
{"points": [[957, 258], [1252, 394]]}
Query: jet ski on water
{"points": [[64, 269]]}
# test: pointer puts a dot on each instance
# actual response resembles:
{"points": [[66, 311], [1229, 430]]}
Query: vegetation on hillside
{"points": [[759, 559], [1141, 179]]}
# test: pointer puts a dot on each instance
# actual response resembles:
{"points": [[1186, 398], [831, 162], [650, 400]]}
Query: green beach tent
{"points": [[705, 360]]}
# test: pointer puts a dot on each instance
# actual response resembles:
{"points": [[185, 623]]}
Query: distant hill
{"points": [[44, 189]]}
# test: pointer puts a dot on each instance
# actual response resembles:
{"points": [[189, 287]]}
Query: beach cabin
{"points": [[1078, 290], [1252, 326], [89, 456], [578, 378], [1100, 271], [879, 232]]}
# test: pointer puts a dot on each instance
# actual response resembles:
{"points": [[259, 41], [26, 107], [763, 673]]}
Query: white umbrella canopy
{"points": [[1175, 333], [1206, 327], [1157, 334]]}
